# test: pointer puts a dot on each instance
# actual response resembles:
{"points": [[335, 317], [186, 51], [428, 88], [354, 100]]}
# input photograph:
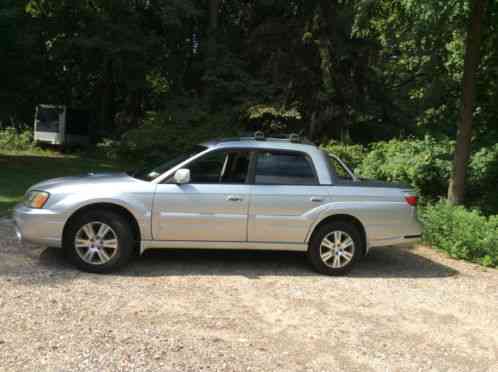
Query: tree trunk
{"points": [[462, 151]]}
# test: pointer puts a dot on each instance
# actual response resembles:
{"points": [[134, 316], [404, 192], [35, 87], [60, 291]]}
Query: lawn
{"points": [[19, 170]]}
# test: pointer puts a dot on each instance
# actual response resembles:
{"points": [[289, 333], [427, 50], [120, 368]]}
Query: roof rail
{"points": [[259, 135], [294, 138]]}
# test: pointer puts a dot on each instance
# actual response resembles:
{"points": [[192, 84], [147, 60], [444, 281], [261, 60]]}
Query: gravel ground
{"points": [[402, 309]]}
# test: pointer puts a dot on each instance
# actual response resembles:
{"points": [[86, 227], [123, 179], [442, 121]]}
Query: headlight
{"points": [[36, 199]]}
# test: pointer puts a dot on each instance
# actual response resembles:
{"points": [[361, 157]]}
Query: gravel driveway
{"points": [[402, 309]]}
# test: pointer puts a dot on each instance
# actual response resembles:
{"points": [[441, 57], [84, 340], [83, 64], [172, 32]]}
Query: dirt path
{"points": [[402, 309]]}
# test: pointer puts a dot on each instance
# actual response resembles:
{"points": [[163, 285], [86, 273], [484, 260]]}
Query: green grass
{"points": [[20, 170]]}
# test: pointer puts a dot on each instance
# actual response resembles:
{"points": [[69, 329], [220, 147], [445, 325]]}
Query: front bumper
{"points": [[38, 226]]}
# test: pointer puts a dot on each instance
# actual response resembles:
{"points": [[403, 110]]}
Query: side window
{"points": [[279, 168], [220, 167], [340, 172]]}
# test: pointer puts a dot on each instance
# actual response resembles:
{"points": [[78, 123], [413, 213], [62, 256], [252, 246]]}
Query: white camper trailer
{"points": [[61, 125]]}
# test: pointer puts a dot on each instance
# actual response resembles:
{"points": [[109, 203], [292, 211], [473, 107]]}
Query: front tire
{"points": [[335, 248], [99, 241]]}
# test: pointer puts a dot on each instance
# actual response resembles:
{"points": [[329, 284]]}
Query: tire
{"points": [[346, 256], [99, 254]]}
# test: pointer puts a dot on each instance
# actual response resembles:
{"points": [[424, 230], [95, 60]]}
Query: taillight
{"points": [[411, 200]]}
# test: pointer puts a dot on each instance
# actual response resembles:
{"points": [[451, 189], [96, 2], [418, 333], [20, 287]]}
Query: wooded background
{"points": [[163, 73]]}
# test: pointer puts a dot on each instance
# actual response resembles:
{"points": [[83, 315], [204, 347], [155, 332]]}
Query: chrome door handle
{"points": [[234, 198], [316, 199]]}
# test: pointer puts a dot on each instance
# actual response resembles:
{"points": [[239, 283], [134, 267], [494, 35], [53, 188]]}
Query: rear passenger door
{"points": [[285, 190]]}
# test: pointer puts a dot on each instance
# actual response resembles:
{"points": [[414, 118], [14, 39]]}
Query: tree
{"points": [[464, 136]]}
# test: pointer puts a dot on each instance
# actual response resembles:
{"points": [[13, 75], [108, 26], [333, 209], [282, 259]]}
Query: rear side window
{"points": [[278, 168]]}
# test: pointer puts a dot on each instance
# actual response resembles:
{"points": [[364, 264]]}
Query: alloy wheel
{"points": [[96, 243], [337, 249]]}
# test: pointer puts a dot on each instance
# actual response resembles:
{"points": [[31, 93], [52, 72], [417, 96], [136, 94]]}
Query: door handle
{"points": [[234, 198], [316, 199]]}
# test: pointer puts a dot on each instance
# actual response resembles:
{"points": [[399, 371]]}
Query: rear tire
{"points": [[335, 248], [99, 241]]}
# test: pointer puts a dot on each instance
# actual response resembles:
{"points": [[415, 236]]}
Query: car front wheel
{"points": [[335, 248], [99, 242]]}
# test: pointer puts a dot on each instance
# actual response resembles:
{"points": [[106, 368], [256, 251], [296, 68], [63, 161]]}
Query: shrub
{"points": [[11, 140], [424, 163], [462, 233], [171, 133], [482, 178], [353, 155]]}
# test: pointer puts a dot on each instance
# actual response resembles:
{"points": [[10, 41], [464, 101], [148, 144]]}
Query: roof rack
{"points": [[259, 136], [292, 137]]}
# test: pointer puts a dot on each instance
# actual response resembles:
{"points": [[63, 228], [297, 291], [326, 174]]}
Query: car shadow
{"points": [[384, 262]]}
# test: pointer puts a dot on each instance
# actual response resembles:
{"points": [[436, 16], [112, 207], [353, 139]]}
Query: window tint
{"points": [[220, 167], [274, 168]]}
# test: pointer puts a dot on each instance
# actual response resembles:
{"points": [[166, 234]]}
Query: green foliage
{"points": [[374, 69], [425, 164], [482, 179], [462, 233], [174, 131], [271, 119], [353, 155], [11, 140]]}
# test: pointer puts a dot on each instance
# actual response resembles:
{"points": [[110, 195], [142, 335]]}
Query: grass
{"points": [[20, 170]]}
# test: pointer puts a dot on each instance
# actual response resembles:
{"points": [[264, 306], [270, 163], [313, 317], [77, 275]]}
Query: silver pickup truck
{"points": [[242, 193]]}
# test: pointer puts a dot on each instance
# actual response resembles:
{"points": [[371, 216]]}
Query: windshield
{"points": [[148, 173]]}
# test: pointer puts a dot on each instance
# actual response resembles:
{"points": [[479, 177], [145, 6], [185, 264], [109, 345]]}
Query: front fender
{"points": [[139, 207]]}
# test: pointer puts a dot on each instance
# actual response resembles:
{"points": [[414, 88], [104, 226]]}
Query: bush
{"points": [[462, 233], [171, 133], [353, 155], [424, 163], [11, 140], [482, 178]]}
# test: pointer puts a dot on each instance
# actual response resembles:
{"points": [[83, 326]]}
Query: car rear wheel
{"points": [[335, 248], [99, 241]]}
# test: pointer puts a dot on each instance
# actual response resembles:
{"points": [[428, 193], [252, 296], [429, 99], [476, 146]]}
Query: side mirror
{"points": [[182, 176]]}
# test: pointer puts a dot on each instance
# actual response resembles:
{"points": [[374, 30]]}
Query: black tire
{"points": [[122, 230], [314, 248]]}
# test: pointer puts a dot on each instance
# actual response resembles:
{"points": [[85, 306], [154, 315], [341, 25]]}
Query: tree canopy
{"points": [[354, 70]]}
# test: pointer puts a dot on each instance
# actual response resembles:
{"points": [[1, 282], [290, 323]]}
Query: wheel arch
{"points": [[99, 206], [342, 217]]}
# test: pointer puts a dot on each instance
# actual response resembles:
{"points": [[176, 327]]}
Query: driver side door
{"points": [[213, 206]]}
